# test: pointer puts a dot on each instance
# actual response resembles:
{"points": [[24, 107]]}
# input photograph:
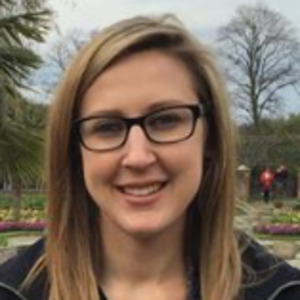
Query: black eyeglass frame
{"points": [[196, 109]]}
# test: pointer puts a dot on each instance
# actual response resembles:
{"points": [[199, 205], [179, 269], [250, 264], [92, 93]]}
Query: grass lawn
{"points": [[277, 237], [4, 236]]}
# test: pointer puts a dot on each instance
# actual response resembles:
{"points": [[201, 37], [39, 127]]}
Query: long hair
{"points": [[73, 242]]}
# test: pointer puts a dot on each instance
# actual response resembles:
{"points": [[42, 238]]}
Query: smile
{"points": [[142, 190]]}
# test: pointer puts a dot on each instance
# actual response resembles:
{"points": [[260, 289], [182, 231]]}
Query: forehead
{"points": [[138, 81]]}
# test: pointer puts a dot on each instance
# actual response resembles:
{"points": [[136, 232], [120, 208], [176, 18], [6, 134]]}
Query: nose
{"points": [[139, 152]]}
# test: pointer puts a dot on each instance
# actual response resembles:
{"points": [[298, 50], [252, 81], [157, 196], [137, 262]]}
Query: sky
{"points": [[202, 17], [198, 15]]}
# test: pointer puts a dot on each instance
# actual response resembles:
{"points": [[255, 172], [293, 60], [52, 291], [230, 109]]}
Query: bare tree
{"points": [[66, 47], [262, 58], [58, 58]]}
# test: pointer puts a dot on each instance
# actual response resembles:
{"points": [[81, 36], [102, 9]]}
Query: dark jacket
{"points": [[14, 271], [275, 279]]}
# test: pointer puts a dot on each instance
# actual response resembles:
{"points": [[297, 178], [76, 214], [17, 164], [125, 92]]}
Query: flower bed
{"points": [[283, 222], [26, 214], [278, 229], [22, 225]]}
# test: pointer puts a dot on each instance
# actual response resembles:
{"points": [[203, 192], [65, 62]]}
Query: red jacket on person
{"points": [[266, 178]]}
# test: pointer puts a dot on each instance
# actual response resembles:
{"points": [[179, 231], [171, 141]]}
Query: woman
{"points": [[141, 180]]}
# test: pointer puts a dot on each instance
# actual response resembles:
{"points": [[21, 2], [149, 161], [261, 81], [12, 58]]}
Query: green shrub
{"points": [[286, 218], [278, 204], [29, 201], [5, 201], [34, 201], [296, 205], [3, 241]]}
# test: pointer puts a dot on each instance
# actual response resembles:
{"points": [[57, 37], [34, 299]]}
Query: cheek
{"points": [[185, 161], [193, 160], [194, 166], [97, 169]]}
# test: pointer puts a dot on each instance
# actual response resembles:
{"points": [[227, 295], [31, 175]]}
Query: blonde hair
{"points": [[73, 243]]}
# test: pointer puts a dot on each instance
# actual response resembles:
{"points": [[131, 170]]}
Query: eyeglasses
{"points": [[167, 125]]}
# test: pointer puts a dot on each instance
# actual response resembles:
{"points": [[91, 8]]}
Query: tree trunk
{"points": [[17, 196]]}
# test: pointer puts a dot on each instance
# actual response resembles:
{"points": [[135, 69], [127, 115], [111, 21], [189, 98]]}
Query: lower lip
{"points": [[142, 200]]}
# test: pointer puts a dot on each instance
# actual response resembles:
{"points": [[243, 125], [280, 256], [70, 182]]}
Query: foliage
{"points": [[20, 23], [278, 204], [277, 142], [26, 214], [32, 208], [21, 143], [4, 236], [32, 115], [262, 52], [277, 237], [20, 154], [29, 201], [3, 241], [288, 218], [296, 206], [32, 214], [285, 223]]}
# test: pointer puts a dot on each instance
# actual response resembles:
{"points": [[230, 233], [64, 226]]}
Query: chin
{"points": [[144, 235], [144, 230]]}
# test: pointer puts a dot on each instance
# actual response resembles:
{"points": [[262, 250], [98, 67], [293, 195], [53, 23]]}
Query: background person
{"points": [[281, 177], [141, 181], [266, 179]]}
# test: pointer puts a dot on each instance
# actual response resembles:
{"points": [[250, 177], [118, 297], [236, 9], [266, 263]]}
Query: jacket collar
{"points": [[14, 271], [269, 276]]}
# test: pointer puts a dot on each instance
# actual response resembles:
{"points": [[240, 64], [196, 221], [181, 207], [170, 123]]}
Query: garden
{"points": [[283, 224], [32, 217], [277, 221]]}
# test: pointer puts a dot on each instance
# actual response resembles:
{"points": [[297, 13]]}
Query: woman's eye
{"points": [[108, 128], [165, 121]]}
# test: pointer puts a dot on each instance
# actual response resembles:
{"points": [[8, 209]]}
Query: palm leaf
{"points": [[16, 63], [20, 153], [13, 29]]}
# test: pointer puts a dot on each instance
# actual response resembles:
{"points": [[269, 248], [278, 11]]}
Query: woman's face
{"points": [[143, 188]]}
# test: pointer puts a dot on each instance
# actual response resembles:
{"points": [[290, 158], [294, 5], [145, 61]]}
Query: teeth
{"points": [[142, 191]]}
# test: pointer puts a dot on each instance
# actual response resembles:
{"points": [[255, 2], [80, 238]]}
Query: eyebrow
{"points": [[151, 108], [170, 103]]}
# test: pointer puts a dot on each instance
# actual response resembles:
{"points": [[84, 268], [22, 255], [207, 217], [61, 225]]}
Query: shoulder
{"points": [[267, 277], [15, 270]]}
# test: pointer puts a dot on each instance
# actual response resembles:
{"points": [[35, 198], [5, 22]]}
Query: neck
{"points": [[137, 259]]}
